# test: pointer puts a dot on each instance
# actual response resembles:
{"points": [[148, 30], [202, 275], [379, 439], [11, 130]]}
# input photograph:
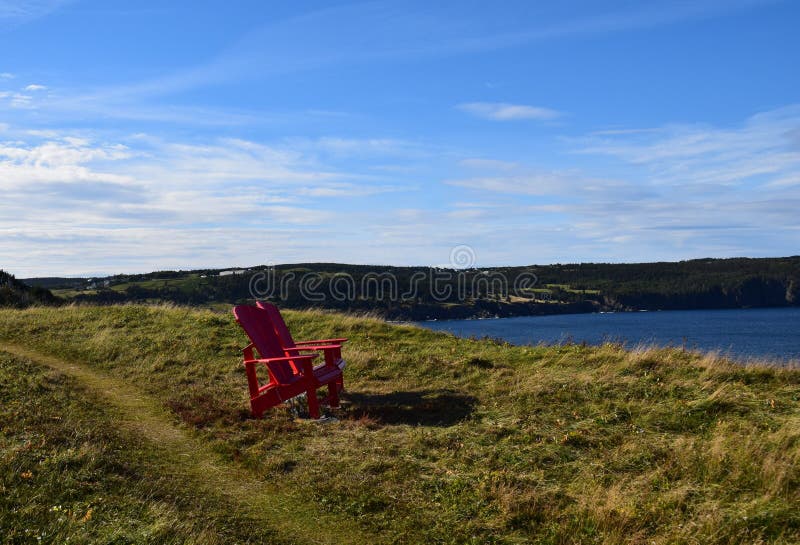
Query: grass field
{"points": [[129, 424]]}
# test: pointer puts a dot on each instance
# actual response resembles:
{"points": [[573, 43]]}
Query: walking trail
{"points": [[292, 518]]}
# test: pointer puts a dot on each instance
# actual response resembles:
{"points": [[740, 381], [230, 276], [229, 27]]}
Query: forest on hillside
{"points": [[419, 293], [14, 293]]}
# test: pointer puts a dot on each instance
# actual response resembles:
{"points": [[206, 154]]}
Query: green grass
{"points": [[183, 284], [68, 293], [441, 440], [68, 473], [569, 289]]}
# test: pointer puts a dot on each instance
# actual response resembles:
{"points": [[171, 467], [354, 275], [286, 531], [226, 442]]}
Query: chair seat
{"points": [[325, 374], [289, 382]]}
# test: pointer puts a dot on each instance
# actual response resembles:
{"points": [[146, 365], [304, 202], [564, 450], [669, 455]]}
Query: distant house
{"points": [[233, 271], [93, 284]]}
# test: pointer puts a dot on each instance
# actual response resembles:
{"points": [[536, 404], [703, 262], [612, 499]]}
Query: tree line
{"points": [[418, 293]]}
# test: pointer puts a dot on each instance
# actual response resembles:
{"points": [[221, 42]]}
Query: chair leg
{"points": [[333, 394], [313, 403]]}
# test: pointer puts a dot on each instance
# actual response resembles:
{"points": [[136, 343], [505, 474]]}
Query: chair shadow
{"points": [[424, 407]]}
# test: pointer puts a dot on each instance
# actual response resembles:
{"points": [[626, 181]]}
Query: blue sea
{"points": [[772, 333]]}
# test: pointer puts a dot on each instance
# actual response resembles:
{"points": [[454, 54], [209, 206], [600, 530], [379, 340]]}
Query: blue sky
{"points": [[151, 135]]}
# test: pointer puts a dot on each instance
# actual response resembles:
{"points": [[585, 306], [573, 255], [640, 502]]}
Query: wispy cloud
{"points": [[95, 193], [573, 185], [16, 100], [544, 183], [762, 150], [502, 111], [65, 105], [380, 31], [363, 146], [6, 75], [20, 11], [679, 191], [139, 202], [479, 163]]}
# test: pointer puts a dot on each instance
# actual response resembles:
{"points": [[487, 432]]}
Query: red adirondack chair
{"points": [[289, 374], [331, 348]]}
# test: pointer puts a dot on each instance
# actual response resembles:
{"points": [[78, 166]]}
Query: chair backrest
{"points": [[259, 328], [283, 333]]}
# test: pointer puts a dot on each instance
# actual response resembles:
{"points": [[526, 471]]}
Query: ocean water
{"points": [[772, 333]]}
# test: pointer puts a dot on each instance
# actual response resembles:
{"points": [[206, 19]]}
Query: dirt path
{"points": [[291, 517]]}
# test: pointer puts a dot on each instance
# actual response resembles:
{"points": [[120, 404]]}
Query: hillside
{"points": [[14, 293], [420, 293], [130, 424]]}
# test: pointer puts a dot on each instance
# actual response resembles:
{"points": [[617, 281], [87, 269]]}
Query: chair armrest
{"points": [[265, 361], [319, 347], [321, 341], [247, 352], [304, 360], [333, 353]]}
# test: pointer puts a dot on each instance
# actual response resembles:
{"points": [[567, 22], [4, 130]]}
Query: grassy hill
{"points": [[14, 293], [130, 424]]}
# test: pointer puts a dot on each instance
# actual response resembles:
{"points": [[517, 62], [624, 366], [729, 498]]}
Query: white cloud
{"points": [[488, 164], [678, 192], [365, 146], [501, 111], [74, 203], [344, 189], [521, 180], [78, 201], [6, 75], [530, 184], [617, 132], [760, 151], [26, 10], [17, 100], [63, 162], [35, 87]]}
